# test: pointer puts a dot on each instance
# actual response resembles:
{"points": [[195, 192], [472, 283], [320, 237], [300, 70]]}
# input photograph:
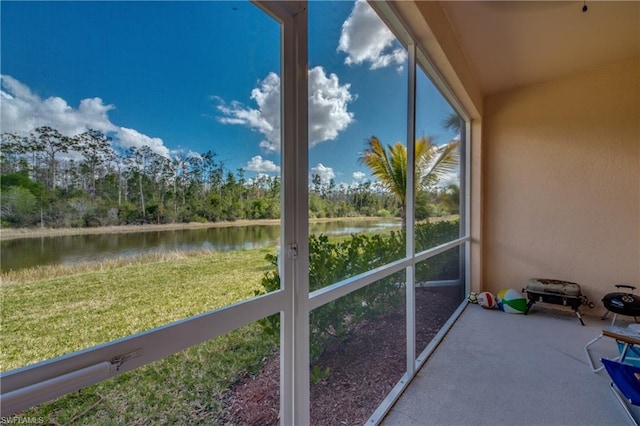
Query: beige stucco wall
{"points": [[561, 182]]}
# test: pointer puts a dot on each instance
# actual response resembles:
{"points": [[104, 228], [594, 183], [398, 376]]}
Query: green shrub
{"points": [[330, 262], [199, 219], [431, 234], [129, 214], [19, 207]]}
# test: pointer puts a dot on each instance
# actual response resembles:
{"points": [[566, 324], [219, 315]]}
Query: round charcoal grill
{"points": [[622, 303]]}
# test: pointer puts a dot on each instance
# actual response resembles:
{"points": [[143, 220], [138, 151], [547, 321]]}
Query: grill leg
{"points": [[613, 320], [579, 316], [531, 302]]}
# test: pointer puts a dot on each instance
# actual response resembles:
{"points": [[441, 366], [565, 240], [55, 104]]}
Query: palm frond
{"points": [[444, 159], [453, 122], [399, 170], [375, 157], [389, 165], [423, 155]]}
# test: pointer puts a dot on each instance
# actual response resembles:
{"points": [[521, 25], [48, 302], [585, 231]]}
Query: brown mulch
{"points": [[362, 369]]}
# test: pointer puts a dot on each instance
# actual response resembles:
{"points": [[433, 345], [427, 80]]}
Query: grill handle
{"points": [[625, 286]]}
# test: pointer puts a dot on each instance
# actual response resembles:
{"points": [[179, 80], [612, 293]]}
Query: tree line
{"points": [[52, 180]]}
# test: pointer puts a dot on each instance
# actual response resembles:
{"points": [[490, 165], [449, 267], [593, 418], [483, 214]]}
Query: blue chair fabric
{"points": [[625, 383]]}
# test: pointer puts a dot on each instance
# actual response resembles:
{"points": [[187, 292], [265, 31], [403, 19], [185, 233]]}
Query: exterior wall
{"points": [[561, 182]]}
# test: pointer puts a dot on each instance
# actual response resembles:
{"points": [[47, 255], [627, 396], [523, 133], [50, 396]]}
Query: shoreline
{"points": [[18, 233]]}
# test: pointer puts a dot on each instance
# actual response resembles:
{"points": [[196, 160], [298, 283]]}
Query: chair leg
{"points": [[625, 403], [589, 359]]}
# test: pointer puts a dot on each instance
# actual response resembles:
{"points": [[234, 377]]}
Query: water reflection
{"points": [[29, 252]]}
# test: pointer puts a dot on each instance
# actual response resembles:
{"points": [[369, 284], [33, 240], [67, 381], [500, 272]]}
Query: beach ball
{"points": [[487, 300], [511, 301]]}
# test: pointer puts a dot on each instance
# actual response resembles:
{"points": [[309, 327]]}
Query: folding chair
{"points": [[625, 384], [628, 341]]}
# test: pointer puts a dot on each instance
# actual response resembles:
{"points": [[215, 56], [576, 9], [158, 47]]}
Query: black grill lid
{"points": [[622, 303]]}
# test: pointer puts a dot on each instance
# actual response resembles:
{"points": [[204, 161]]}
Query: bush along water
{"points": [[331, 262]]}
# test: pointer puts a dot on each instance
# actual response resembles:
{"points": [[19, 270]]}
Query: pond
{"points": [[29, 252]]}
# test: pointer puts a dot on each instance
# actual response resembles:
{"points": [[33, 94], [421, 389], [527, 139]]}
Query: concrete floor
{"points": [[494, 368]]}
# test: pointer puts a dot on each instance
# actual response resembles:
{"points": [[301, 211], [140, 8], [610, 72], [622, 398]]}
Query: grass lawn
{"points": [[50, 311], [43, 318]]}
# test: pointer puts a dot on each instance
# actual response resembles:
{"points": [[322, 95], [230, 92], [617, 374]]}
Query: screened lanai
{"points": [[535, 105]]}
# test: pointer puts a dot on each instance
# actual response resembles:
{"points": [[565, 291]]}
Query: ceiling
{"points": [[510, 44]]}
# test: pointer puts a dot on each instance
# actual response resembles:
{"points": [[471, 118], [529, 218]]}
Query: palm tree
{"points": [[390, 165], [453, 122]]}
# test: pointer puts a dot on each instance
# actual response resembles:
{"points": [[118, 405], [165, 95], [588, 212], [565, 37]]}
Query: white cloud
{"points": [[21, 111], [258, 164], [328, 114], [358, 176], [130, 138], [365, 38], [328, 102], [325, 173], [265, 119]]}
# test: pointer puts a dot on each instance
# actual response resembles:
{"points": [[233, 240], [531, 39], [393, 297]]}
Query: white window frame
{"points": [[31, 385]]}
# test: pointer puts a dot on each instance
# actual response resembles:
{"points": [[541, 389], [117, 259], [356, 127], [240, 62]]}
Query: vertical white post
{"points": [[287, 230], [465, 199], [301, 414], [410, 211], [287, 215], [294, 361]]}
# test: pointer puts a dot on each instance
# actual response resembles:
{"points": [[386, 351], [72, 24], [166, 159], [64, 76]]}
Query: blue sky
{"points": [[188, 77]]}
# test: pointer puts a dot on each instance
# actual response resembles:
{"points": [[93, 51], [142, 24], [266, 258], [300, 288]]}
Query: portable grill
{"points": [[556, 292], [622, 303]]}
